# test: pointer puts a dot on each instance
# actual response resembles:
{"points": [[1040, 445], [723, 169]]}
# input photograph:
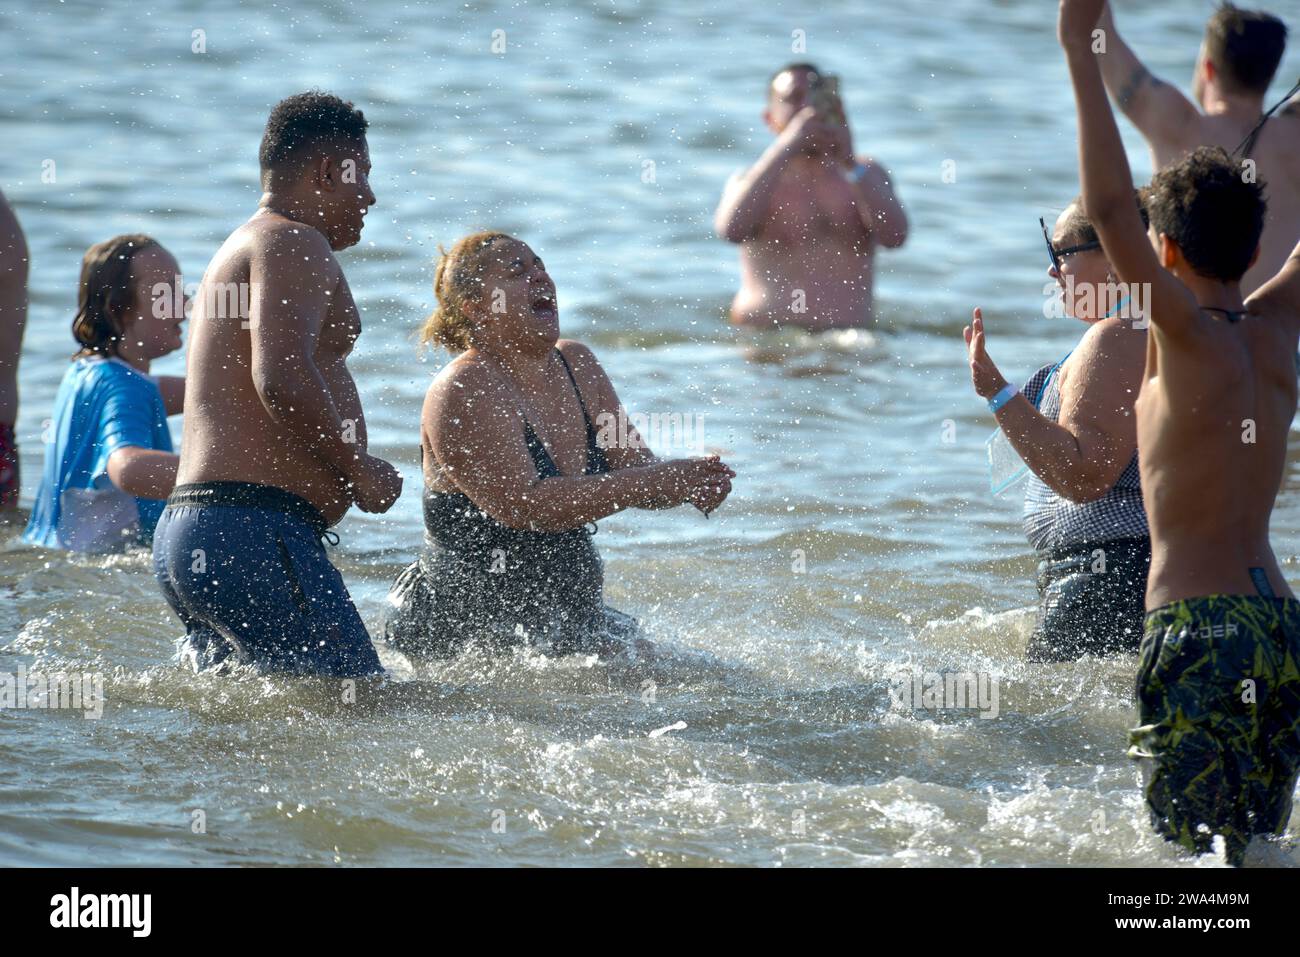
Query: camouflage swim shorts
{"points": [[1218, 690]]}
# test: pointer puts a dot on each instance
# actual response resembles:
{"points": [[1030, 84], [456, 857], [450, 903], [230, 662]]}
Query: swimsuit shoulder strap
{"points": [[541, 456], [1036, 388], [1248, 146], [591, 432], [596, 460]]}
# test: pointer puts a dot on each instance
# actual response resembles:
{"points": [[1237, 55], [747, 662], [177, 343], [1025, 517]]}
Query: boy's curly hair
{"points": [[1212, 209]]}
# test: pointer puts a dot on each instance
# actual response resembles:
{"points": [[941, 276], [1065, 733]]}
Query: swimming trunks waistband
{"points": [[249, 495], [1262, 585]]}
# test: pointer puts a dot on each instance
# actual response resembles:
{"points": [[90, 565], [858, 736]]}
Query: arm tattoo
{"points": [[1130, 88]]}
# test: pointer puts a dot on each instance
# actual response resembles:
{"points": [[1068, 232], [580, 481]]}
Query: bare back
{"points": [[1277, 164], [1213, 422], [229, 433], [811, 263]]}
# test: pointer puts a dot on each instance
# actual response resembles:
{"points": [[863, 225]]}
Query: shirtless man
{"points": [[274, 448], [13, 320], [808, 216], [1238, 58], [1218, 686]]}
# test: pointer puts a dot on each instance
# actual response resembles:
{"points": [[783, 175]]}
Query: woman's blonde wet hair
{"points": [[457, 283], [105, 293]]}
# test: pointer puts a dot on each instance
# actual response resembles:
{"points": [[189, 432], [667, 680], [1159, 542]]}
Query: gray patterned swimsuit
{"points": [[1093, 557], [1052, 522]]}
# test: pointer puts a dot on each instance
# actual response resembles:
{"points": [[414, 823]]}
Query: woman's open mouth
{"points": [[544, 305]]}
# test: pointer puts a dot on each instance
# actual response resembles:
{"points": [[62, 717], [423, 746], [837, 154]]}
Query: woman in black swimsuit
{"points": [[515, 476]]}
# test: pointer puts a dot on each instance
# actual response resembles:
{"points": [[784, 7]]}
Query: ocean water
{"points": [[860, 543]]}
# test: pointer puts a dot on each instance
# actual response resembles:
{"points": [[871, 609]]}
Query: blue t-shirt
{"points": [[102, 405]]}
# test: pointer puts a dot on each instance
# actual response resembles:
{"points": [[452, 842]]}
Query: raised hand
{"points": [[1077, 19], [808, 132], [984, 374]]}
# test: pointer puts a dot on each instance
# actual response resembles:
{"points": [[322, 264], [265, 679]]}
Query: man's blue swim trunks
{"points": [[244, 568]]}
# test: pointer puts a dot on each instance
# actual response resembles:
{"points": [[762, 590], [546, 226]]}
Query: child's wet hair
{"points": [[105, 293]]}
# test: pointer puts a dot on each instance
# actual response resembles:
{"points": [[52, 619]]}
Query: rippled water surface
{"points": [[860, 539]]}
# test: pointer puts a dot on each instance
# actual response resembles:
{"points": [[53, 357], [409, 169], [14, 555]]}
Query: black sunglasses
{"points": [[1059, 254]]}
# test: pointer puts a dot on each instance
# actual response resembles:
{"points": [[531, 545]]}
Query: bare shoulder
{"points": [[284, 242], [581, 360], [735, 178], [578, 354], [1116, 334], [1278, 322], [468, 407], [466, 383], [1272, 341], [11, 232], [1110, 348], [1286, 120], [586, 367], [1290, 130], [873, 167]]}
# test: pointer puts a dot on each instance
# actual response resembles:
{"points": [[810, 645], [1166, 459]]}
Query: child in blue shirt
{"points": [[109, 464]]}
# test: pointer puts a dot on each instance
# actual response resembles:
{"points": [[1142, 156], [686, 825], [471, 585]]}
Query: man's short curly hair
{"points": [[1210, 206], [307, 122]]}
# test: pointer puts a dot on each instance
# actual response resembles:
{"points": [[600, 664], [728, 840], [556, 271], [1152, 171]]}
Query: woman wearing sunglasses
{"points": [[1073, 426]]}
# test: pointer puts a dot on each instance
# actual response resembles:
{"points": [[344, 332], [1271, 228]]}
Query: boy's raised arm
{"points": [[1107, 180]]}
